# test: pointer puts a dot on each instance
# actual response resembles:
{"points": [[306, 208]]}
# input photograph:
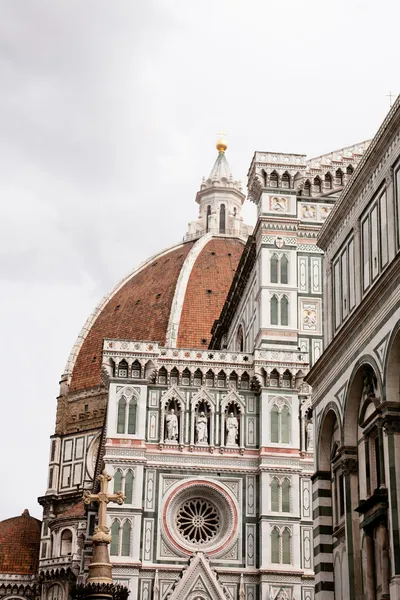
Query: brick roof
{"points": [[140, 310], [19, 545], [207, 289]]}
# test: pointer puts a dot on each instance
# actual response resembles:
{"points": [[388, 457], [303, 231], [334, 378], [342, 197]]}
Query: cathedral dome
{"points": [[19, 545], [175, 296], [173, 299]]}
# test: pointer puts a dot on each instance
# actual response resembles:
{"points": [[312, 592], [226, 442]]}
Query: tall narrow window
{"points": [[284, 269], [275, 495], [123, 369], [275, 546], [275, 425], [128, 487], [208, 218], [341, 495], [222, 218], [117, 481], [336, 285], [286, 496], [286, 547], [132, 417], [274, 269], [307, 188], [384, 229], [114, 538], [345, 300], [285, 425], [273, 179], [328, 181], [374, 242], [352, 291], [274, 310], [365, 247], [284, 311], [339, 177], [121, 415], [126, 539]]}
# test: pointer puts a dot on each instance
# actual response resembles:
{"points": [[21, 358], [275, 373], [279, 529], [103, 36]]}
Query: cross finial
{"points": [[391, 96], [102, 532]]}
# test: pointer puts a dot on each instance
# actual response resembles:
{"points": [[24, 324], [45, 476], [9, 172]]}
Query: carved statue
{"points": [[369, 381], [232, 430], [201, 429], [172, 426], [310, 435]]}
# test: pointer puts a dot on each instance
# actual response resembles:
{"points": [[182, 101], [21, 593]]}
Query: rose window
{"points": [[198, 521]]}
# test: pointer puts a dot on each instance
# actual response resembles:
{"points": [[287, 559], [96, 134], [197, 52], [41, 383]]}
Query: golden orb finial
{"points": [[221, 144]]}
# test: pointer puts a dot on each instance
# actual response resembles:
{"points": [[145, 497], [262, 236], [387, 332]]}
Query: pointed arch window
{"points": [[240, 339], [127, 415], [286, 495], [274, 179], [286, 180], [275, 543], [307, 188], [274, 268], [286, 554], [281, 546], [117, 482], [129, 487], [274, 310], [279, 268], [280, 424], [275, 495], [284, 269], [284, 311], [328, 181], [123, 369], [318, 185], [222, 218], [114, 538], [339, 177], [121, 415], [126, 539]]}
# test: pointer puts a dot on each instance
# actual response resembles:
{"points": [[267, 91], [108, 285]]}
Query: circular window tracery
{"points": [[200, 515], [198, 521]]}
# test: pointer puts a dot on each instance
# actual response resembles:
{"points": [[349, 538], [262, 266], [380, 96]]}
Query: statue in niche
{"points": [[310, 435], [171, 422], [232, 430], [369, 384], [201, 429]]}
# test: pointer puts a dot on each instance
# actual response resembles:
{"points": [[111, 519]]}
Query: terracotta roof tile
{"points": [[19, 545]]}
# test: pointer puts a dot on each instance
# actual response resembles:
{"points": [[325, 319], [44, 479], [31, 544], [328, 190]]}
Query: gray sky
{"points": [[108, 120]]}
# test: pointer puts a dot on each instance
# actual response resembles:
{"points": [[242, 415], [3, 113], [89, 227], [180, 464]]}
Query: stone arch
{"points": [[66, 541], [391, 367]]}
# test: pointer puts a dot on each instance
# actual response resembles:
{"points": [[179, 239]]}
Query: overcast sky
{"points": [[108, 119]]}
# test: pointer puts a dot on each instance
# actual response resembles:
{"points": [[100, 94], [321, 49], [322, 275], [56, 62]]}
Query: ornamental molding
{"points": [[199, 578]]}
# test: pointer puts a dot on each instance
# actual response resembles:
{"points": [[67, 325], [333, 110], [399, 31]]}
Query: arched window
{"points": [[286, 558], [121, 415], [126, 539], [222, 218], [123, 369], [287, 379], [275, 546], [307, 188], [286, 180], [274, 310], [274, 268], [264, 177], [114, 538], [275, 425], [274, 378], [198, 378], [66, 543], [273, 179], [132, 416], [128, 487], [339, 177], [285, 425], [284, 311], [275, 495], [328, 181], [349, 170], [208, 218], [136, 369], [174, 376], [117, 482], [284, 269], [317, 185], [240, 339], [286, 495], [162, 376]]}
